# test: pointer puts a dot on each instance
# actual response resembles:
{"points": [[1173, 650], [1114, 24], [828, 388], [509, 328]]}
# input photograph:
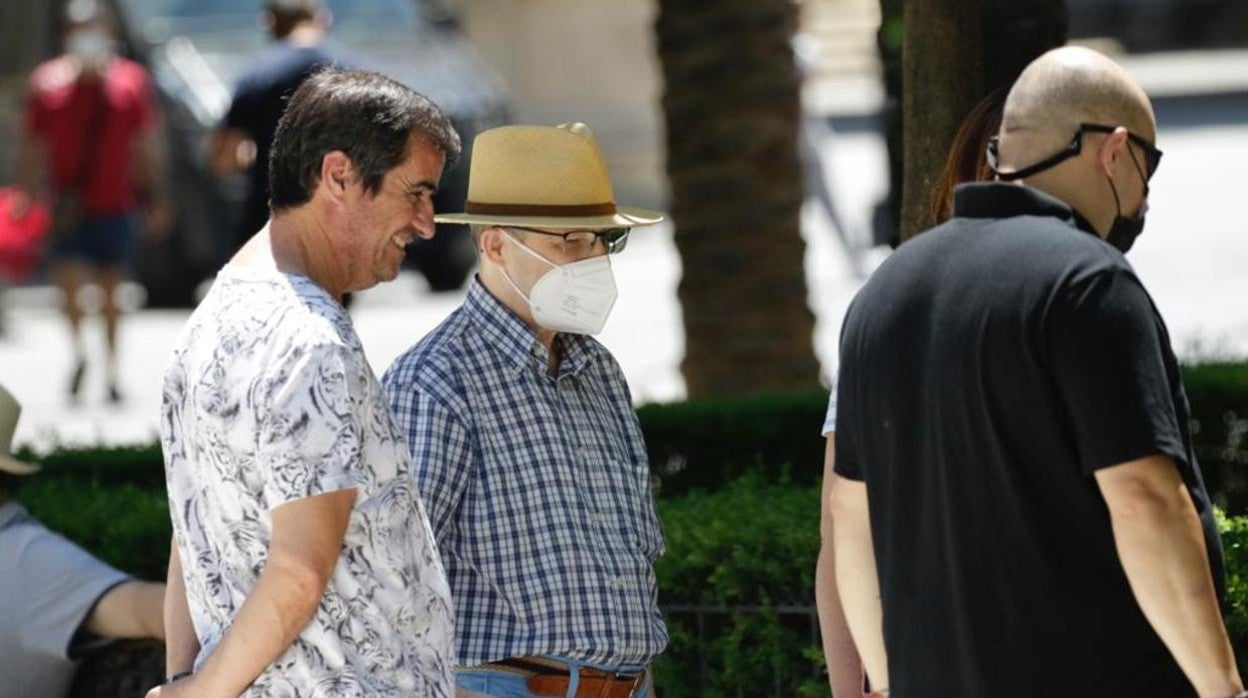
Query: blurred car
{"points": [[1151, 25], [198, 49]]}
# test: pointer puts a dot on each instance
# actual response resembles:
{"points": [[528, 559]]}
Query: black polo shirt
{"points": [[988, 369]]}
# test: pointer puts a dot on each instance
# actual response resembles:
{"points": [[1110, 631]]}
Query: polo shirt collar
{"points": [[513, 337], [1004, 200]]}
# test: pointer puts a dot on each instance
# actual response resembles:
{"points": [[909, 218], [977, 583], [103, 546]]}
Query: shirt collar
{"points": [[11, 513], [517, 341], [1004, 200]]}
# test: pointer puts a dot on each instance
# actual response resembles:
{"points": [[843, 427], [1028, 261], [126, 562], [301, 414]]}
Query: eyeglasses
{"points": [[1152, 156], [614, 239]]}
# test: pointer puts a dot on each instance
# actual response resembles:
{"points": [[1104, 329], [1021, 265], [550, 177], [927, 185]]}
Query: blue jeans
{"points": [[501, 684]]}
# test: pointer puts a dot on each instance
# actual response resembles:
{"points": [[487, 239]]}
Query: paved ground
{"points": [[1193, 257]]}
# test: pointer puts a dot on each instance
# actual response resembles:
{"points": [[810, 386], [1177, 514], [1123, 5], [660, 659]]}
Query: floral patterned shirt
{"points": [[269, 399]]}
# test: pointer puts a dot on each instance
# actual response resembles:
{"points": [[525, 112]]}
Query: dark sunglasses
{"points": [[1152, 156], [614, 239]]}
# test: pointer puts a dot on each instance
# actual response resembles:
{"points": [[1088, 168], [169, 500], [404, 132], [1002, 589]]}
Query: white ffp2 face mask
{"points": [[576, 297], [91, 46]]}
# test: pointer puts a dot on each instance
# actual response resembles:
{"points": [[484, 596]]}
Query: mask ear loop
{"points": [[521, 245], [1117, 202]]}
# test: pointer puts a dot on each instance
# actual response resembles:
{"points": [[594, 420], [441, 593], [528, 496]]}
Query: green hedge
{"points": [[750, 546], [704, 444]]}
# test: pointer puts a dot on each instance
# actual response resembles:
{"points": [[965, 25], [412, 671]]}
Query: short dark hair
{"points": [[286, 15], [366, 115]]}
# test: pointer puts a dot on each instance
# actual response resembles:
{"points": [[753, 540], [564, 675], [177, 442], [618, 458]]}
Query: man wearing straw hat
{"points": [[57, 602], [526, 448]]}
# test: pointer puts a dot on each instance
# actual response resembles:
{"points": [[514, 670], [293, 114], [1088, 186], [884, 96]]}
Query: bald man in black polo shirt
{"points": [[1020, 511]]}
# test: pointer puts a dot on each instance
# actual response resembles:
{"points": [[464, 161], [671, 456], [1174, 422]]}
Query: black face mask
{"points": [[1123, 231]]}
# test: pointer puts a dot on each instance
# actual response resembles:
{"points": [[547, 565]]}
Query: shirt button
{"points": [[582, 452], [620, 583]]}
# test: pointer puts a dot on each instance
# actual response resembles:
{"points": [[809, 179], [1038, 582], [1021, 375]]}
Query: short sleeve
{"points": [[441, 451], [847, 463], [60, 584], [242, 109], [310, 427], [1106, 353]]}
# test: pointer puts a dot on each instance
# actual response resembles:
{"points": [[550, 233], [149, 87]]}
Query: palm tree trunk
{"points": [[732, 115]]}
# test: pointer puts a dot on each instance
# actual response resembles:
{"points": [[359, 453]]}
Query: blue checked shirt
{"points": [[538, 489]]}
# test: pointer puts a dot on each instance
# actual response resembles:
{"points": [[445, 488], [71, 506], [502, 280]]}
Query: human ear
{"points": [[336, 174], [1111, 149], [492, 244]]}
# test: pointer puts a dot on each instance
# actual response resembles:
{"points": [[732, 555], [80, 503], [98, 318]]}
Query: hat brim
{"points": [[624, 217], [13, 466]]}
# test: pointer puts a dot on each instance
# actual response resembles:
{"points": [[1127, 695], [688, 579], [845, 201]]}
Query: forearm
{"points": [[277, 609], [1162, 550], [844, 664], [856, 578], [129, 610], [181, 642], [30, 166], [149, 170], [230, 152]]}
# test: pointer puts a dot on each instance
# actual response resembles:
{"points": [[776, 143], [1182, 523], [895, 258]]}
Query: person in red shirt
{"points": [[91, 137]]}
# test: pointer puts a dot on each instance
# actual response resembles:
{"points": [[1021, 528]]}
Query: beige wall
{"points": [[583, 60]]}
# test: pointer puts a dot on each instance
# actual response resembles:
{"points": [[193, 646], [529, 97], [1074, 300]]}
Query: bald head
{"points": [[1103, 178], [1064, 88]]}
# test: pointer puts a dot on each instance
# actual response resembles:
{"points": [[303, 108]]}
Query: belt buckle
{"points": [[636, 680]]}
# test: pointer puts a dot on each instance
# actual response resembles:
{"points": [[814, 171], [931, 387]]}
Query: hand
{"points": [[20, 205], [157, 220], [187, 687]]}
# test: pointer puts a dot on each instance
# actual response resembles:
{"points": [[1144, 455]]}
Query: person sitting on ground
{"points": [[57, 602]]}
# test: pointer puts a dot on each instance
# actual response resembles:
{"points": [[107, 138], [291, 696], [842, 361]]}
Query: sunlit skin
{"points": [[384, 224], [347, 239]]}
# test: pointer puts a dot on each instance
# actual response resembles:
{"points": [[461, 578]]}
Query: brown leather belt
{"points": [[550, 678]]}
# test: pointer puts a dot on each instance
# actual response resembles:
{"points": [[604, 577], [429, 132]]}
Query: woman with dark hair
{"points": [[966, 161]]}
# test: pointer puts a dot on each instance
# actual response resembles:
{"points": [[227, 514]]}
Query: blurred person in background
{"points": [[1019, 509], [964, 163], [57, 602], [242, 142], [302, 562], [526, 447], [92, 140]]}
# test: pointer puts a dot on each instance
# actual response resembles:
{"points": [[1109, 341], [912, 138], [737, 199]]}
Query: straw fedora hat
{"points": [[10, 410], [542, 177]]}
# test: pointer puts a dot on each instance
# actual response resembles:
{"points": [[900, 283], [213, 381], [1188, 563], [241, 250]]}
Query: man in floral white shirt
{"points": [[302, 561]]}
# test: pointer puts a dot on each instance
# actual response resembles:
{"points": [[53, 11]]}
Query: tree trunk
{"points": [[732, 113], [942, 78], [955, 52]]}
